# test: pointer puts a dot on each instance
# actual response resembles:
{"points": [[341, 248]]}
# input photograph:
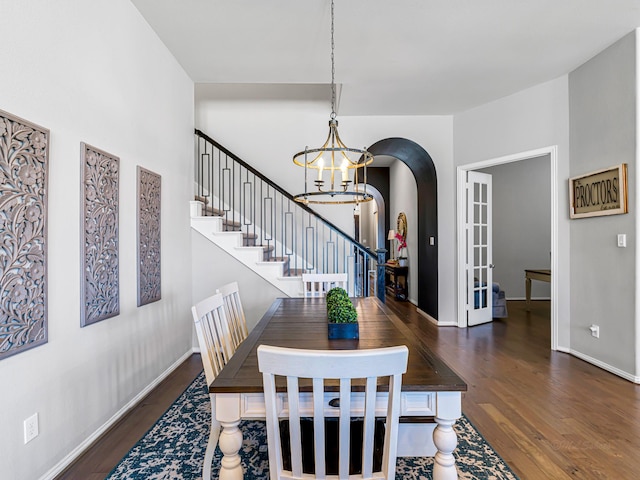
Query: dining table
{"points": [[431, 396]]}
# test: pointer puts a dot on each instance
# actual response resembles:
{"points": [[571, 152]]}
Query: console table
{"points": [[542, 275], [396, 280]]}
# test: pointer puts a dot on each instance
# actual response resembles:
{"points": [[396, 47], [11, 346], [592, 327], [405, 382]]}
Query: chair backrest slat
{"points": [[344, 432], [318, 427], [346, 366], [318, 284], [214, 336], [295, 434], [235, 313], [369, 427]]}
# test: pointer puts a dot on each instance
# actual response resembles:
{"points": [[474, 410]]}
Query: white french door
{"points": [[479, 249]]}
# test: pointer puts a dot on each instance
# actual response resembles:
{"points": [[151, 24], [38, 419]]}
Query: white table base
{"points": [[414, 439]]}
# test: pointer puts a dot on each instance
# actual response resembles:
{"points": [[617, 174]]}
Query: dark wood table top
{"points": [[302, 323], [541, 271]]}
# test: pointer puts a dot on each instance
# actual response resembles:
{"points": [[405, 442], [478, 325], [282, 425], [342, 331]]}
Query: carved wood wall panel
{"points": [[148, 237], [24, 158], [100, 265]]}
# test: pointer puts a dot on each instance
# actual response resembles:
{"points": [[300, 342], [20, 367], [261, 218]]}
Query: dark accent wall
{"points": [[424, 171]]}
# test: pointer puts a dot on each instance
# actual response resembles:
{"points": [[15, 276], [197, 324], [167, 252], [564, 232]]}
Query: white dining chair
{"points": [[318, 284], [235, 313], [216, 348], [320, 365]]}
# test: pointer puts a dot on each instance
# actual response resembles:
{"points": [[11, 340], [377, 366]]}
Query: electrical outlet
{"points": [[31, 428], [595, 331]]}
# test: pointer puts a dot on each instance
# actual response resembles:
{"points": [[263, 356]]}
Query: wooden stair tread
{"points": [[294, 272], [278, 259], [231, 226], [210, 211]]}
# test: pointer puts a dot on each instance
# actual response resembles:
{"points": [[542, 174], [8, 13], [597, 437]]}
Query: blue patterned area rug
{"points": [[173, 449]]}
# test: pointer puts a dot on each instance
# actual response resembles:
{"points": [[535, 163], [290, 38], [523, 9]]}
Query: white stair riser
{"points": [[252, 257]]}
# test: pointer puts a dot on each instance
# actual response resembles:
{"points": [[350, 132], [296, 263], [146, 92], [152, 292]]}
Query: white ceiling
{"points": [[394, 57]]}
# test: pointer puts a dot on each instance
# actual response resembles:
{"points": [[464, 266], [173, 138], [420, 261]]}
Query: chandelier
{"points": [[338, 173]]}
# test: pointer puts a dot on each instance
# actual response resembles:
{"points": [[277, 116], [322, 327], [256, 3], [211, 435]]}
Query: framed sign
{"points": [[603, 192]]}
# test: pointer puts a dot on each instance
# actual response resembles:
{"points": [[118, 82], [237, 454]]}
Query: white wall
{"points": [[212, 267], [521, 224], [95, 72], [534, 118], [636, 204], [369, 224], [264, 129], [603, 102]]}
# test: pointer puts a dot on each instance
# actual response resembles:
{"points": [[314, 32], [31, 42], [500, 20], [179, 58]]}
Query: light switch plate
{"points": [[622, 240]]}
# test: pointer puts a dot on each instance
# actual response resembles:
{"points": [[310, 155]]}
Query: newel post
{"points": [[380, 287]]}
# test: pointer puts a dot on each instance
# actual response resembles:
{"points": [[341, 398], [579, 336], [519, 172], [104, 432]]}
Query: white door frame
{"points": [[462, 170]]}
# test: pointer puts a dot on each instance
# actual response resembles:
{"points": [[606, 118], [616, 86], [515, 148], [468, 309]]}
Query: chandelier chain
{"points": [[333, 69], [334, 183]]}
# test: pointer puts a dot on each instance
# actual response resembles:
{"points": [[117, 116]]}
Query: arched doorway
{"points": [[424, 172]]}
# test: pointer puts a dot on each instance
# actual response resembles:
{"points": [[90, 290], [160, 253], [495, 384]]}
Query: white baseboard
{"points": [[429, 317], [606, 366], [434, 321], [80, 449], [532, 298]]}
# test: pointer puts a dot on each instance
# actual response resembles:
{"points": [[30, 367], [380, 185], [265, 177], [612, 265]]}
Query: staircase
{"points": [[242, 246], [248, 239], [260, 224]]}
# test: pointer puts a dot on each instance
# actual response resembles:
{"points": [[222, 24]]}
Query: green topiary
{"points": [[339, 307], [336, 293]]}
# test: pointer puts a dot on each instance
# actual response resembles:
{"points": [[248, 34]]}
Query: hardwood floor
{"points": [[548, 414], [103, 455]]}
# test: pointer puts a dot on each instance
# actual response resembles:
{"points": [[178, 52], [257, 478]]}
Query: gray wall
{"points": [[212, 267], [602, 104], [521, 224], [534, 118]]}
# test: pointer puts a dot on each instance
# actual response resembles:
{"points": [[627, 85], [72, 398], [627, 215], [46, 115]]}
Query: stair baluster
{"points": [[269, 217]]}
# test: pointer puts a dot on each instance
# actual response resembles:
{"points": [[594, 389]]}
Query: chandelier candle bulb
{"points": [[320, 167]]}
